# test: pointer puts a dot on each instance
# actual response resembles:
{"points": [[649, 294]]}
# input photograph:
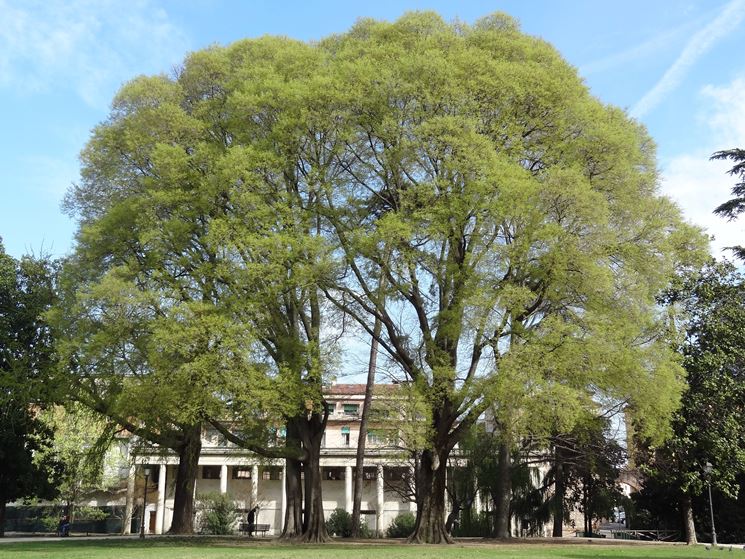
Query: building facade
{"points": [[250, 480]]}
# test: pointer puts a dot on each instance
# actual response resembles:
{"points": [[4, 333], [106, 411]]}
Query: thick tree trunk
{"points": [[3, 508], [430, 499], [186, 476], [586, 506], [559, 492], [362, 439], [503, 494], [293, 521], [686, 510], [314, 523]]}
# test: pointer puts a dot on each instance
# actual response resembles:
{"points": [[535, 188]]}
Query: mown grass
{"points": [[199, 548]]}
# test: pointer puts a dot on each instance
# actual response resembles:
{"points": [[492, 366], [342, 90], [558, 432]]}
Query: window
{"points": [[333, 473], [345, 438], [242, 472], [210, 472], [395, 474], [331, 406], [372, 437], [352, 409], [380, 414], [270, 473], [370, 473]]}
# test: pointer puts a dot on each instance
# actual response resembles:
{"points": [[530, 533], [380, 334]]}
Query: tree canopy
{"points": [[26, 378], [455, 184]]}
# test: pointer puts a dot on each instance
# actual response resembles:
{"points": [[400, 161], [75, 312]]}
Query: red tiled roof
{"points": [[356, 389]]}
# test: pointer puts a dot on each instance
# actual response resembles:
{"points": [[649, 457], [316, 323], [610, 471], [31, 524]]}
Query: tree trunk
{"points": [[293, 521], [430, 499], [362, 438], [686, 509], [186, 476], [504, 493], [586, 506], [3, 508], [559, 492], [314, 523]]}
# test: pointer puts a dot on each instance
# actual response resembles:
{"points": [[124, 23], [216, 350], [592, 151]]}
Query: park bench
{"points": [[262, 529]]}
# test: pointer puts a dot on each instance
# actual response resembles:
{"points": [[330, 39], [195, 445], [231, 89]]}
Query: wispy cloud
{"points": [[699, 185], [726, 22], [651, 47], [85, 46]]}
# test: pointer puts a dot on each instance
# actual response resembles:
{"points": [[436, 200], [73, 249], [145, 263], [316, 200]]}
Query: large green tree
{"points": [[27, 291], [709, 427], [516, 221], [196, 269], [512, 220]]}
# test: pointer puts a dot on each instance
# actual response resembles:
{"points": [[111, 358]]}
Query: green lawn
{"points": [[231, 549]]}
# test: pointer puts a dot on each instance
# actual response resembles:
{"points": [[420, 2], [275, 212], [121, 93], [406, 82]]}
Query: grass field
{"points": [[232, 549]]}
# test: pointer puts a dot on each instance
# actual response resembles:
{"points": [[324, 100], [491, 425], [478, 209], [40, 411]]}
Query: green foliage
{"points": [[218, 513], [402, 526], [27, 290], [339, 523], [229, 212], [731, 209], [84, 448], [471, 525], [710, 426]]}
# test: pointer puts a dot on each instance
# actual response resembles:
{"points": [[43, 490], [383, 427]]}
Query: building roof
{"points": [[356, 389]]}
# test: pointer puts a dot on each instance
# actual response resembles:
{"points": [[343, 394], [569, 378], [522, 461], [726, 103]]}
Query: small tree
{"points": [[218, 513], [83, 447]]}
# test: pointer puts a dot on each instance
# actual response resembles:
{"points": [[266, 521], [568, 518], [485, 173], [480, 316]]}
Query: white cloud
{"points": [[87, 46], [699, 185], [726, 22], [650, 48]]}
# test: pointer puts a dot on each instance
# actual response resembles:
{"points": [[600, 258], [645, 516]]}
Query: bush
{"points": [[218, 514], [402, 526], [339, 523], [471, 525]]}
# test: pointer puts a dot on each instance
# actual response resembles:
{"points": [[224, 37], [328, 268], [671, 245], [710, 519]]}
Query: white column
{"points": [[476, 497], [380, 490], [127, 525], [161, 510], [447, 499], [284, 497], [412, 474], [348, 489], [224, 479], [254, 486]]}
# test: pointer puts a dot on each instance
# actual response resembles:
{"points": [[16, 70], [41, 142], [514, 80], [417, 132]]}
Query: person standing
{"points": [[251, 521]]}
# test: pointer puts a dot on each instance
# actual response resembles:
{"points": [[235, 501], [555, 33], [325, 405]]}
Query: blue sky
{"points": [[677, 66]]}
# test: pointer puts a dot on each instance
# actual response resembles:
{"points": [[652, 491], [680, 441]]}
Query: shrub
{"points": [[339, 523], [218, 514], [402, 526]]}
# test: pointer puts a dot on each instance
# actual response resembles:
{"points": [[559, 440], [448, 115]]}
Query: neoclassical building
{"points": [[251, 480]]}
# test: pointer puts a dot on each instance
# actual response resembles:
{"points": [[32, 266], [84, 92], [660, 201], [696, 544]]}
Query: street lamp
{"points": [[707, 470], [144, 504]]}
